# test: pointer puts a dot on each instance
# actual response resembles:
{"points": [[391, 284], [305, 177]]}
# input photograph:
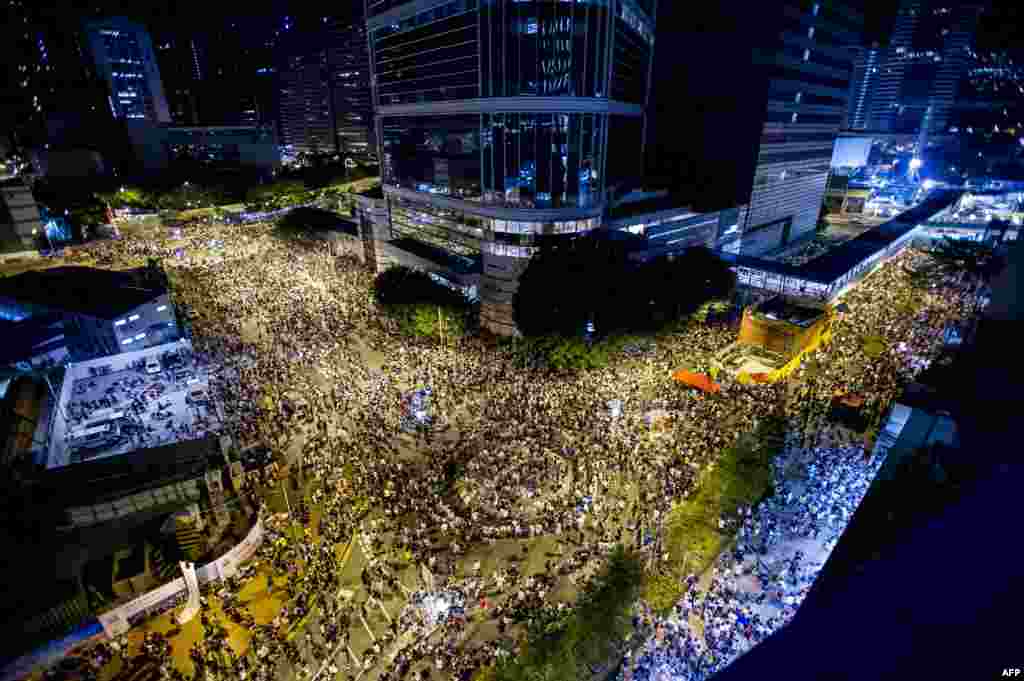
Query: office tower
{"points": [[747, 106], [123, 55], [501, 124], [923, 66], [325, 90], [349, 79], [182, 66], [864, 85], [808, 87]]}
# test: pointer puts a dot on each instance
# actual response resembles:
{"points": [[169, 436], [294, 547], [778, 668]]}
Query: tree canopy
{"points": [[565, 645], [591, 279], [422, 306], [955, 258]]}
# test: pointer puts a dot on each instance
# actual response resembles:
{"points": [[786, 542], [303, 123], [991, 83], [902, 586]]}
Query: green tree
{"points": [[591, 278], [564, 646], [959, 258], [422, 306]]}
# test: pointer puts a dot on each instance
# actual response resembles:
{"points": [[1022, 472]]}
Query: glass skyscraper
{"points": [[927, 57], [504, 122]]}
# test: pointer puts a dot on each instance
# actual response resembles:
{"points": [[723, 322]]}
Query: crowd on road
{"points": [[526, 481]]}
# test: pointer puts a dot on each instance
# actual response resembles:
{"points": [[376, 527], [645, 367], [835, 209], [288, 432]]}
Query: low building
{"points": [[159, 147], [104, 312], [774, 335], [69, 163]]}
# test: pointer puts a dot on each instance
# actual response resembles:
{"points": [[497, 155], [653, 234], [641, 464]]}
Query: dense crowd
{"points": [[303, 364]]}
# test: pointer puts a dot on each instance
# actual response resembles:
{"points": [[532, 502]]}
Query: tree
{"points": [[567, 284], [422, 306], [959, 258], [564, 646], [592, 279]]}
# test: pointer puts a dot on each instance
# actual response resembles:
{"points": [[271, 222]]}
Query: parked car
{"points": [[153, 365]]}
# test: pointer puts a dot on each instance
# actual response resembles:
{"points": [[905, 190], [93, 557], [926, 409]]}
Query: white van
{"points": [[152, 365]]}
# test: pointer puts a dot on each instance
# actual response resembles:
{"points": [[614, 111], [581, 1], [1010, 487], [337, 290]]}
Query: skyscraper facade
{"points": [[123, 54], [504, 123], [923, 66], [324, 91], [808, 76], [746, 106], [867, 62], [349, 79], [305, 102]]}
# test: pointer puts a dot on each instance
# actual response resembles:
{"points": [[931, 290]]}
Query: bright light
{"points": [[916, 163], [928, 184]]}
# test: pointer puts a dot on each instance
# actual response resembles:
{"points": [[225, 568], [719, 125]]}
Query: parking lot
{"points": [[132, 401]]}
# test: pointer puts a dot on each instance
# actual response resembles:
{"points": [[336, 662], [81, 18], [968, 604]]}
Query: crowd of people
{"points": [[525, 481]]}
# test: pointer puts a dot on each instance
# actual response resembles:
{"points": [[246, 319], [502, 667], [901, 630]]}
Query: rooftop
{"points": [[102, 480], [104, 294], [652, 205], [792, 311], [835, 263]]}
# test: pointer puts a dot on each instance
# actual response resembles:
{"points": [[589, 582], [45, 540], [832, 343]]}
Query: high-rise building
{"points": [[220, 76], [808, 86], [324, 90], [54, 96], [746, 109], [503, 123], [182, 75], [867, 62], [305, 102], [923, 66], [349, 79], [124, 58]]}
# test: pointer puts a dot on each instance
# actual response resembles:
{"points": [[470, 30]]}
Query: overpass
{"points": [[830, 275]]}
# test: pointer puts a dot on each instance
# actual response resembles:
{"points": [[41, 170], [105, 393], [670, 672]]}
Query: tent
{"points": [[700, 381]]}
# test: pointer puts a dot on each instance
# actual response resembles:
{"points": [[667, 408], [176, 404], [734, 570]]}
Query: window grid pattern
{"points": [[432, 56], [544, 48], [541, 160]]}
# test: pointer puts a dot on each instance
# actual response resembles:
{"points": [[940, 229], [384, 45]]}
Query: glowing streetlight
{"points": [[916, 163]]}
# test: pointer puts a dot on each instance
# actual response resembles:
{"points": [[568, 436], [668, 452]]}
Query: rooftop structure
{"points": [[101, 293], [104, 311]]}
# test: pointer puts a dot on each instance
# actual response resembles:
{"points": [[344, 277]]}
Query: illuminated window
{"points": [[810, 32], [807, 54], [816, 8], [161, 308], [798, 97], [119, 322], [133, 317], [793, 120], [140, 336], [127, 341]]}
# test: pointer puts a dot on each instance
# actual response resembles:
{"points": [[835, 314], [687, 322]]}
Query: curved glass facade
{"points": [[509, 159], [510, 48], [466, 235]]}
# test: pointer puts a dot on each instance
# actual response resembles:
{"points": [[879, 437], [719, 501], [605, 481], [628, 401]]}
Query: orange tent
{"points": [[700, 381], [852, 400]]}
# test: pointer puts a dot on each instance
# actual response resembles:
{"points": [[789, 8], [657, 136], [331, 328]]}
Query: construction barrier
{"points": [[119, 620]]}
